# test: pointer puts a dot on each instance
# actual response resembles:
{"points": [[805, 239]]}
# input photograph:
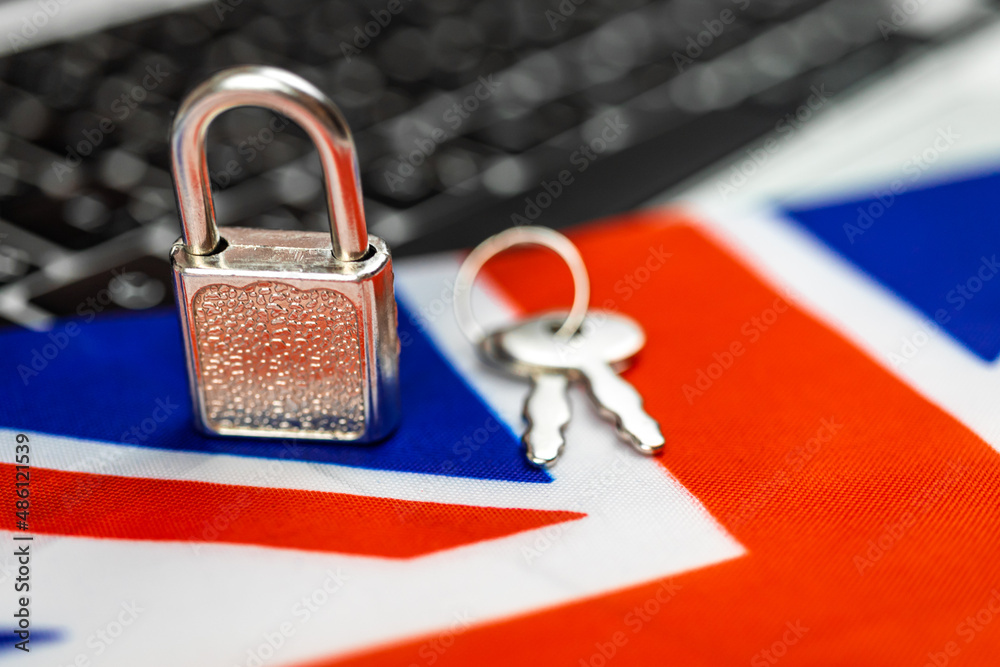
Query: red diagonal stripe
{"points": [[130, 508], [898, 466]]}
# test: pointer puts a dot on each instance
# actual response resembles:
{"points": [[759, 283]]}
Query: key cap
{"points": [[606, 343]]}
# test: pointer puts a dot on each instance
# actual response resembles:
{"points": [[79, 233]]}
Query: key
{"points": [[605, 344], [547, 412]]}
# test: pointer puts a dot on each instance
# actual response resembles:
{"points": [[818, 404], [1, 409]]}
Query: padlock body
{"points": [[282, 340]]}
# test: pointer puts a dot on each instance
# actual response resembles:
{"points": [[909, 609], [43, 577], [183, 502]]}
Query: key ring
{"points": [[498, 243]]}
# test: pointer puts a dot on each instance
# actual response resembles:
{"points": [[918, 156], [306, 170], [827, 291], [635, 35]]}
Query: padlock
{"points": [[287, 333]]}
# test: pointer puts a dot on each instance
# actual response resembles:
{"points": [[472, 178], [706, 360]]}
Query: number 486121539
{"points": [[22, 480]]}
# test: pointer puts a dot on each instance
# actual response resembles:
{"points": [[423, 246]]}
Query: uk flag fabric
{"points": [[816, 503], [823, 365]]}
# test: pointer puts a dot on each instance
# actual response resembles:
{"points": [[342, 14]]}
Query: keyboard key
{"points": [[395, 85], [138, 284]]}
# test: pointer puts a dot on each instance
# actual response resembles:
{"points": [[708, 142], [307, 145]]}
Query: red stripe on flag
{"points": [[107, 506], [871, 517]]}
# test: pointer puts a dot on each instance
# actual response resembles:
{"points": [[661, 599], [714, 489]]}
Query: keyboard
{"points": [[469, 117]]}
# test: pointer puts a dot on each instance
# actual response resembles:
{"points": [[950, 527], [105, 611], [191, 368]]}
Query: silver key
{"points": [[605, 344], [547, 412]]}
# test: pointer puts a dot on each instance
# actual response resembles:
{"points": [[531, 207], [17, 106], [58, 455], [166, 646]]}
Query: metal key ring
{"points": [[498, 243]]}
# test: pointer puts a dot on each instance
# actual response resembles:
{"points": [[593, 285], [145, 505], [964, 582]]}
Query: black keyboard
{"points": [[468, 116]]}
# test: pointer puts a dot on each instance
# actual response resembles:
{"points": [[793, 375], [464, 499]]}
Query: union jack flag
{"points": [[825, 374]]}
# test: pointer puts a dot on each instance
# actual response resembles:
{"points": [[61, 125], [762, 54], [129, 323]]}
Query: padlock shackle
{"points": [[300, 101]]}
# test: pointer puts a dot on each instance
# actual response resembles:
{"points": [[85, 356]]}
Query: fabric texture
{"points": [[868, 514], [840, 516]]}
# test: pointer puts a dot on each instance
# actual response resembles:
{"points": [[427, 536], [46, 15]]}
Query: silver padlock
{"points": [[288, 334]]}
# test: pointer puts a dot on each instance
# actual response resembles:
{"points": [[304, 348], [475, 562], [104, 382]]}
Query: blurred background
{"points": [[469, 117]]}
